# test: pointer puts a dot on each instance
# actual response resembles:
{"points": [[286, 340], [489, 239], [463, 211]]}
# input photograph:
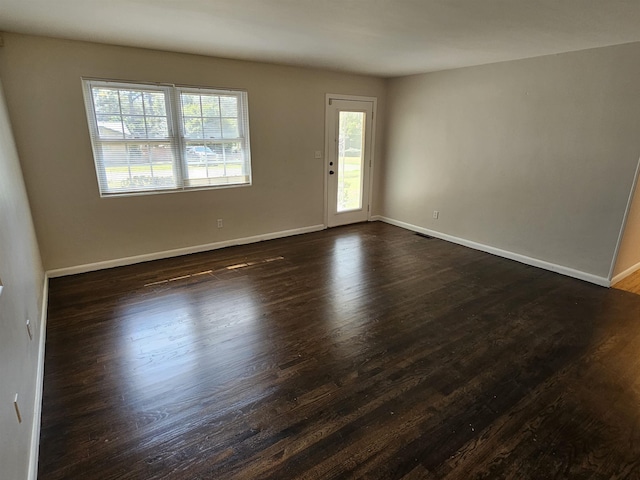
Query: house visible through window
{"points": [[150, 138]]}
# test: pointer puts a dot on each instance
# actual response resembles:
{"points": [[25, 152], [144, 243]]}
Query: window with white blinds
{"points": [[152, 138]]}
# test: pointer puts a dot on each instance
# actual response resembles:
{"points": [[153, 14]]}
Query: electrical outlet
{"points": [[29, 329], [17, 408], [318, 154], [219, 223], [436, 214]]}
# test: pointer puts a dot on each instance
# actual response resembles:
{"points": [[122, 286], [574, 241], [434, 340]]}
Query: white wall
{"points": [[21, 298], [535, 157], [75, 226]]}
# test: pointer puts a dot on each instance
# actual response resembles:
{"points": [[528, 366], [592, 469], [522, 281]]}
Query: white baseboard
{"points": [[625, 274], [37, 404], [119, 262], [587, 277]]}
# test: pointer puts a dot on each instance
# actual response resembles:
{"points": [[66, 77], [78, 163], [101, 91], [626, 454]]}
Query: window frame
{"points": [[176, 136], [243, 123]]}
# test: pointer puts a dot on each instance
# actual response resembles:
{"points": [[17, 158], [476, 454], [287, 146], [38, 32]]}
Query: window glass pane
{"points": [[142, 174], [136, 126], [106, 100], [162, 154], [131, 102], [210, 106], [138, 166], [193, 128], [161, 159], [229, 106], [230, 128], [200, 153], [233, 159], [110, 126], [202, 159], [233, 151], [217, 149], [154, 103], [212, 128], [191, 105], [157, 127]]}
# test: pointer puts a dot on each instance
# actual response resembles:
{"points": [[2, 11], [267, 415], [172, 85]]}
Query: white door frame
{"points": [[328, 98]]}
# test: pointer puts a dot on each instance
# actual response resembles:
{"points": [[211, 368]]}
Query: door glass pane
{"points": [[350, 160]]}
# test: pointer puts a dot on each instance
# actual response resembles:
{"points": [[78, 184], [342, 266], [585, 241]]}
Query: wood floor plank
{"points": [[630, 284], [358, 352]]}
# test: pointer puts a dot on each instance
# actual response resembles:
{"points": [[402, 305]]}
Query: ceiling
{"points": [[377, 37]]}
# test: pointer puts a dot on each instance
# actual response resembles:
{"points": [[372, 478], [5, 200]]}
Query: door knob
{"points": [[330, 172]]}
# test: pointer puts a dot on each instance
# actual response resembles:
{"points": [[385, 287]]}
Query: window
{"points": [[152, 138]]}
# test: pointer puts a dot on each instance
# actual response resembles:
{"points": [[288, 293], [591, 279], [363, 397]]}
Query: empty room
{"points": [[330, 239]]}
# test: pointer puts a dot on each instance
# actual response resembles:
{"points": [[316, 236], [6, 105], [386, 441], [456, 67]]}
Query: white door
{"points": [[348, 160]]}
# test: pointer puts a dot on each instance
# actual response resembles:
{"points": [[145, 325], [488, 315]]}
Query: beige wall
{"points": [[22, 275], [75, 226], [629, 253], [536, 157]]}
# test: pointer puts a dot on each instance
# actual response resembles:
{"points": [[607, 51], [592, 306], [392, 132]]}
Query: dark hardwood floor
{"points": [[359, 352]]}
